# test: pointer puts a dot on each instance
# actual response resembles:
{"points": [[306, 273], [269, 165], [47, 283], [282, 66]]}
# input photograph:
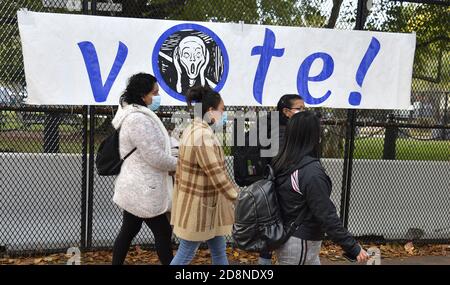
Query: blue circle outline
{"points": [[163, 38]]}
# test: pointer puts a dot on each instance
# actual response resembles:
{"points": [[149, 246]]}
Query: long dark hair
{"points": [[302, 138], [286, 101], [205, 95], [138, 86]]}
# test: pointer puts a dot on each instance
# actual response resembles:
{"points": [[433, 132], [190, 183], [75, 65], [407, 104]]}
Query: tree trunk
{"points": [[334, 14]]}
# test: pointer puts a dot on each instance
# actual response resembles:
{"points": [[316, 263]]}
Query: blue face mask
{"points": [[224, 118], [156, 102]]}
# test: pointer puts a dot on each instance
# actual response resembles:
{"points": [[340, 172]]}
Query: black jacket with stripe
{"points": [[305, 189]]}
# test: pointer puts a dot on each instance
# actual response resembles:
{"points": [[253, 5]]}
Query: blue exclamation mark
{"points": [[355, 97]]}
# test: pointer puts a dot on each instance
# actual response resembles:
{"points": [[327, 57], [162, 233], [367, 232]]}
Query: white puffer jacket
{"points": [[143, 187]]}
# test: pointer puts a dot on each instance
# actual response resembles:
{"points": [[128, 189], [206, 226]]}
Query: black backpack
{"points": [[258, 222], [108, 161], [248, 165]]}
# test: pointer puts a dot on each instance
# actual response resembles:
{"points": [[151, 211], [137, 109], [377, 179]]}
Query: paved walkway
{"points": [[414, 260]]}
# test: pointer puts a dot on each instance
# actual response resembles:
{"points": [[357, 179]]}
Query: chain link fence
{"points": [[390, 169]]}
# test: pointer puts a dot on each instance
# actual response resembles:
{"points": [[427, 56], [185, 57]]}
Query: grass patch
{"points": [[406, 149], [369, 148]]}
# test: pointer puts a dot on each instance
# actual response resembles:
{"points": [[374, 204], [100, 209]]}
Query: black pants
{"points": [[131, 225]]}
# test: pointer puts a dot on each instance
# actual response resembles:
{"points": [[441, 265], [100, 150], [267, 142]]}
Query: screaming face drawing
{"points": [[187, 58], [194, 58]]}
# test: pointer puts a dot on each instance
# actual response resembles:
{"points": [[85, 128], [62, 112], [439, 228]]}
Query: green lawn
{"points": [[35, 146], [364, 148], [33, 142], [369, 148], [406, 149]]}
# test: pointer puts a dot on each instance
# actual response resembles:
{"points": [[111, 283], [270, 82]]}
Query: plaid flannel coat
{"points": [[203, 196]]}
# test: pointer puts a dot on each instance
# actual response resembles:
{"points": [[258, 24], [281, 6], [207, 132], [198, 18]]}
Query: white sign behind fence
{"points": [[86, 60]]}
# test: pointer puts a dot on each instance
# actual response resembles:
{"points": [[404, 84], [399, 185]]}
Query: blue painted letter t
{"points": [[267, 51]]}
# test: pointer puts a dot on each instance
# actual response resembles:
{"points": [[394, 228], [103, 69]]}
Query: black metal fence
{"points": [[390, 169]]}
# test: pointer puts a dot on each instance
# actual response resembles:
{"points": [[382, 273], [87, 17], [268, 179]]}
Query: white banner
{"points": [[86, 60]]}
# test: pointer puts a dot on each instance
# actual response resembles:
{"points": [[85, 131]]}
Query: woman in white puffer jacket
{"points": [[143, 187]]}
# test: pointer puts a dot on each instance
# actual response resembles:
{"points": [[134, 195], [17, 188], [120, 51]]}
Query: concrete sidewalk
{"points": [[414, 260]]}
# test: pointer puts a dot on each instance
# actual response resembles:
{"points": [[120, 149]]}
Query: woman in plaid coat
{"points": [[202, 207]]}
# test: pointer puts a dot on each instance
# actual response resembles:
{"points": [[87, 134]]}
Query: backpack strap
{"points": [[130, 153], [269, 172]]}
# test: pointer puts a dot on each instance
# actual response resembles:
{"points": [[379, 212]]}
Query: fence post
{"points": [[90, 189], [390, 138], [84, 163], [350, 137], [51, 132], [90, 203], [348, 165], [444, 133], [88, 160], [84, 167]]}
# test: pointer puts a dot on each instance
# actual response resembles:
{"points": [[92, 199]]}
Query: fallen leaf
{"points": [[409, 248], [137, 255], [139, 249]]}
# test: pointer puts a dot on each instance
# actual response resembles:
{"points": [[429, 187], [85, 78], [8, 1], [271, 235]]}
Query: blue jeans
{"points": [[188, 249]]}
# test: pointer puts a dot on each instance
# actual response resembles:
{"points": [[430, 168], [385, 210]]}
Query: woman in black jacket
{"points": [[287, 106], [304, 188]]}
